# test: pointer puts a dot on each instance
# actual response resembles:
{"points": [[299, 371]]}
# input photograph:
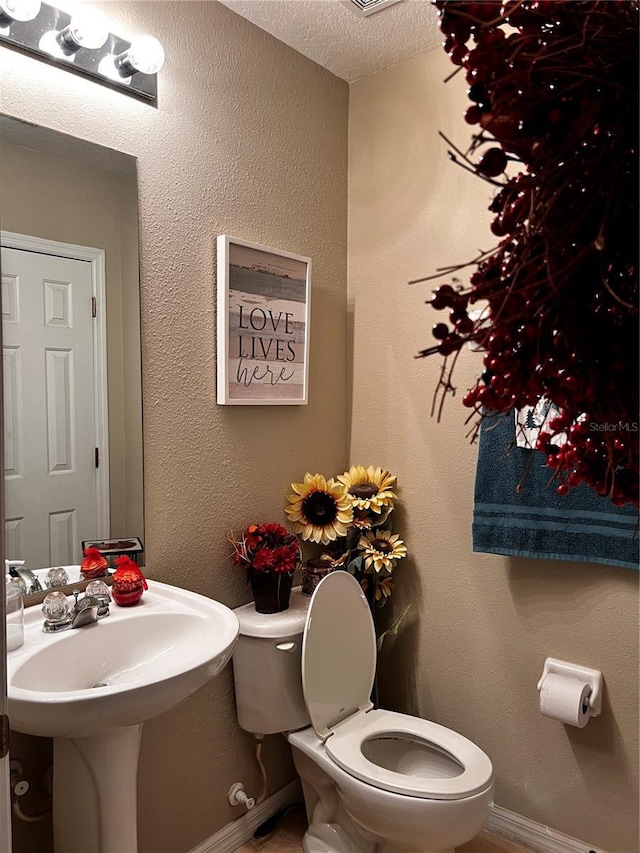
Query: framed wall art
{"points": [[263, 325]]}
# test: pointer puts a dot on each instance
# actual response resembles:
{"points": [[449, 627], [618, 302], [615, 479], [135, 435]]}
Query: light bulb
{"points": [[146, 55], [88, 28], [19, 10]]}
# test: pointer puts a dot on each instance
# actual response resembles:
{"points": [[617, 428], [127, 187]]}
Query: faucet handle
{"points": [[99, 590], [103, 605], [56, 577], [57, 612]]}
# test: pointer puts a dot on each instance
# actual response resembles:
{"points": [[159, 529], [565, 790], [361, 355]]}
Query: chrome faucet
{"points": [[17, 570], [84, 611]]}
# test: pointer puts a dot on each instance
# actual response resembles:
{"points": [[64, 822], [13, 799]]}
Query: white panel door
{"points": [[49, 414], [5, 797]]}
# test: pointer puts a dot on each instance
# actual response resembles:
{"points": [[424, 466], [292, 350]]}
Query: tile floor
{"points": [[288, 838]]}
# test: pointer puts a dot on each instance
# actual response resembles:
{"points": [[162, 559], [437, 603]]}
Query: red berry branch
{"points": [[553, 87]]}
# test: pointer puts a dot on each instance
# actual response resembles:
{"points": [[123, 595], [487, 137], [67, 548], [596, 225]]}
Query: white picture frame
{"points": [[263, 303]]}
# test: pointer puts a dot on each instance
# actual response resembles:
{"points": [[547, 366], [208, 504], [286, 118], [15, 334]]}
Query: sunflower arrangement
{"points": [[351, 514]]}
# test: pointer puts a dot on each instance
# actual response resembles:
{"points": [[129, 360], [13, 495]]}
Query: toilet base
{"points": [[330, 830], [393, 847], [348, 816]]}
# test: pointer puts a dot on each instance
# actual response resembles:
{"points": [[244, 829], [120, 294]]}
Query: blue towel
{"points": [[537, 521]]}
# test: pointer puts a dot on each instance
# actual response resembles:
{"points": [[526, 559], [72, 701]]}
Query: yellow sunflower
{"points": [[369, 488], [320, 509], [384, 588], [365, 519], [381, 549]]}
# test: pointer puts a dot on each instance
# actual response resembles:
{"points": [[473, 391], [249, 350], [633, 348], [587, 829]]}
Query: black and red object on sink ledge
{"points": [[126, 546]]}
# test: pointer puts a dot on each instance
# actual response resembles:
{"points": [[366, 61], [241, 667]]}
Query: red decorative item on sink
{"points": [[94, 565], [128, 583]]}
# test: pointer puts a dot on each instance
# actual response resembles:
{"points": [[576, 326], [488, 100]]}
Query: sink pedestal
{"points": [[94, 792]]}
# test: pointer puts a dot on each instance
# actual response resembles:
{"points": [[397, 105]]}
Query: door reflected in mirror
{"points": [[71, 345]]}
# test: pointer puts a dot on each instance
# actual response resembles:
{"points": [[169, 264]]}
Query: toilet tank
{"points": [[267, 672]]}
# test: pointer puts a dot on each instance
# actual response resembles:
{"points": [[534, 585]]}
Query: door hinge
{"points": [[94, 307], [97, 457], [4, 736]]}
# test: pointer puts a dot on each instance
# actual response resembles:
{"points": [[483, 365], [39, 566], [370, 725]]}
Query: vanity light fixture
{"points": [[82, 43]]}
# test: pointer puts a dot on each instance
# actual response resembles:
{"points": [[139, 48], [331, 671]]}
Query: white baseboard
{"points": [[231, 836], [514, 827], [534, 836]]}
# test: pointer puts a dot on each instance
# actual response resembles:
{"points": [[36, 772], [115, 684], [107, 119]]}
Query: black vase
{"points": [[271, 590], [313, 571]]}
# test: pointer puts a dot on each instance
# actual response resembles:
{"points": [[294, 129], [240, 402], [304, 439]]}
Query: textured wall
{"points": [[482, 625], [250, 139]]}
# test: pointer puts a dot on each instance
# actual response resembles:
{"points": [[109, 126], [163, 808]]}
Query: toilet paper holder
{"points": [[582, 673]]}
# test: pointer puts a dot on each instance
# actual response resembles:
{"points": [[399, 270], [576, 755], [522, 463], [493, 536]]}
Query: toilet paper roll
{"points": [[565, 699]]}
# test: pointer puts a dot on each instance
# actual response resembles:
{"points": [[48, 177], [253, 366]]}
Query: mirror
{"points": [[71, 347]]}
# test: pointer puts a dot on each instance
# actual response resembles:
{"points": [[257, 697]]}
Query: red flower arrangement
{"points": [[554, 86], [266, 548]]}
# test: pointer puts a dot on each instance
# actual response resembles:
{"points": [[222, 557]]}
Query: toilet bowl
{"points": [[374, 781], [365, 818]]}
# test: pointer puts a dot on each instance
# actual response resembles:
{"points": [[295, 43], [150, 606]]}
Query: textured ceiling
{"points": [[350, 47]]}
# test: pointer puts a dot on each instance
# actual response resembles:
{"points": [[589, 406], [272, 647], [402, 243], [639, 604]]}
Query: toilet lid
{"points": [[338, 652]]}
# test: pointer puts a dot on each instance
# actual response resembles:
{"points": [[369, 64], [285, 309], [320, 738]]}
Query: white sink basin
{"points": [[91, 689], [124, 669]]}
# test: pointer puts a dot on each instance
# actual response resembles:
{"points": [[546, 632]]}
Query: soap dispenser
{"points": [[15, 613]]}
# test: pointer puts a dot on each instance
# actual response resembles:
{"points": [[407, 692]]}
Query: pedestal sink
{"points": [[92, 688]]}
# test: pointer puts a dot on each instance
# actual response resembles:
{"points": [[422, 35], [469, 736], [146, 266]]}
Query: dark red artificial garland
{"points": [[554, 85]]}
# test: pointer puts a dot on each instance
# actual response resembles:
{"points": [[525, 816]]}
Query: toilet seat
{"points": [[338, 669], [345, 747]]}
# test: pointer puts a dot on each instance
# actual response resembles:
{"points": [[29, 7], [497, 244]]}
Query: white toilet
{"points": [[374, 781]]}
